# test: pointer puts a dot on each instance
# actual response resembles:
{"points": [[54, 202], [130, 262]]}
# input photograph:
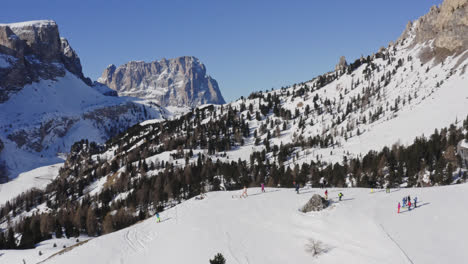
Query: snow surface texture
{"points": [[268, 228], [6, 60]]}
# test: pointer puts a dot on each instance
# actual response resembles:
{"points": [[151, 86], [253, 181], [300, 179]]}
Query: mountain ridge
{"points": [[46, 102], [181, 81]]}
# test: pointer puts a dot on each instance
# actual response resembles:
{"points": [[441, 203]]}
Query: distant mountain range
{"points": [[46, 103]]}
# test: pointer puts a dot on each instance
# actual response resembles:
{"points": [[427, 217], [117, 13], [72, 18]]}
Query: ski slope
{"points": [[268, 228]]}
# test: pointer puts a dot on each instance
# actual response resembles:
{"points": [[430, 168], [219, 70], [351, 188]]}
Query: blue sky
{"points": [[246, 45]]}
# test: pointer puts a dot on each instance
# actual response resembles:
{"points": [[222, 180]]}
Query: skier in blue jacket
{"points": [[157, 218]]}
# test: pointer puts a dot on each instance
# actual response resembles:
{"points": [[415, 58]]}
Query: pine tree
{"points": [[449, 174], [58, 230], [91, 222], [11, 241], [27, 237], [2, 240], [107, 225], [218, 259]]}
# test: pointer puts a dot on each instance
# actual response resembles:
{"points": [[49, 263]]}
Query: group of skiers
{"points": [[406, 200], [407, 203]]}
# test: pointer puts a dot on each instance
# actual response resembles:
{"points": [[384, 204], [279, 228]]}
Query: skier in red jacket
{"points": [[326, 194]]}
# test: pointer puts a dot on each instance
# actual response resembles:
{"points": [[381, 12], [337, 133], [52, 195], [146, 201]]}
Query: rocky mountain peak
{"points": [[446, 25], [180, 81], [41, 38], [32, 51]]}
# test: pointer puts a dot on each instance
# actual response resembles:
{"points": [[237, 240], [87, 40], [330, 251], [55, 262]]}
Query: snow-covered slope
{"points": [[401, 92], [37, 178], [45, 118], [390, 98], [428, 96], [268, 228]]}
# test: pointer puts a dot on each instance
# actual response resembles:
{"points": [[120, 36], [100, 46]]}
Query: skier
{"points": [[409, 198], [409, 205], [297, 188], [404, 201], [399, 206], [388, 190], [340, 195], [415, 201], [244, 193], [157, 218], [326, 194], [263, 187]]}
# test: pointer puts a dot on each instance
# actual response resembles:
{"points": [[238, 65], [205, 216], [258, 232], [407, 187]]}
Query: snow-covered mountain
{"points": [[175, 82], [360, 125], [411, 88], [46, 104]]}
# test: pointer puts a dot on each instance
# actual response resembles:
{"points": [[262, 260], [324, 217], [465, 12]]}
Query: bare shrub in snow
{"points": [[316, 247]]}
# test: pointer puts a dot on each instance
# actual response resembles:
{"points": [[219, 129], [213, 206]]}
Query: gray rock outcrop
{"points": [[446, 25], [316, 203], [42, 120], [34, 51], [175, 82], [342, 64]]}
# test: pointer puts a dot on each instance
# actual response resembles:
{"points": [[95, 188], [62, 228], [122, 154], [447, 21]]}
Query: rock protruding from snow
{"points": [[38, 52], [342, 64], [175, 82], [316, 203], [103, 89]]}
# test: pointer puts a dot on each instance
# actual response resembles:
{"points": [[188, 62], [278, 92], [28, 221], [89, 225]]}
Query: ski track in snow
{"points": [[137, 241], [229, 244], [398, 245]]}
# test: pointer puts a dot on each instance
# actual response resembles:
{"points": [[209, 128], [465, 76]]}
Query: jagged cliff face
{"points": [[175, 82], [446, 26], [31, 51], [46, 104]]}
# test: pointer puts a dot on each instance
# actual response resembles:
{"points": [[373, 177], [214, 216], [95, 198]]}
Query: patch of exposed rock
{"points": [[316, 203], [342, 64], [176, 82]]}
